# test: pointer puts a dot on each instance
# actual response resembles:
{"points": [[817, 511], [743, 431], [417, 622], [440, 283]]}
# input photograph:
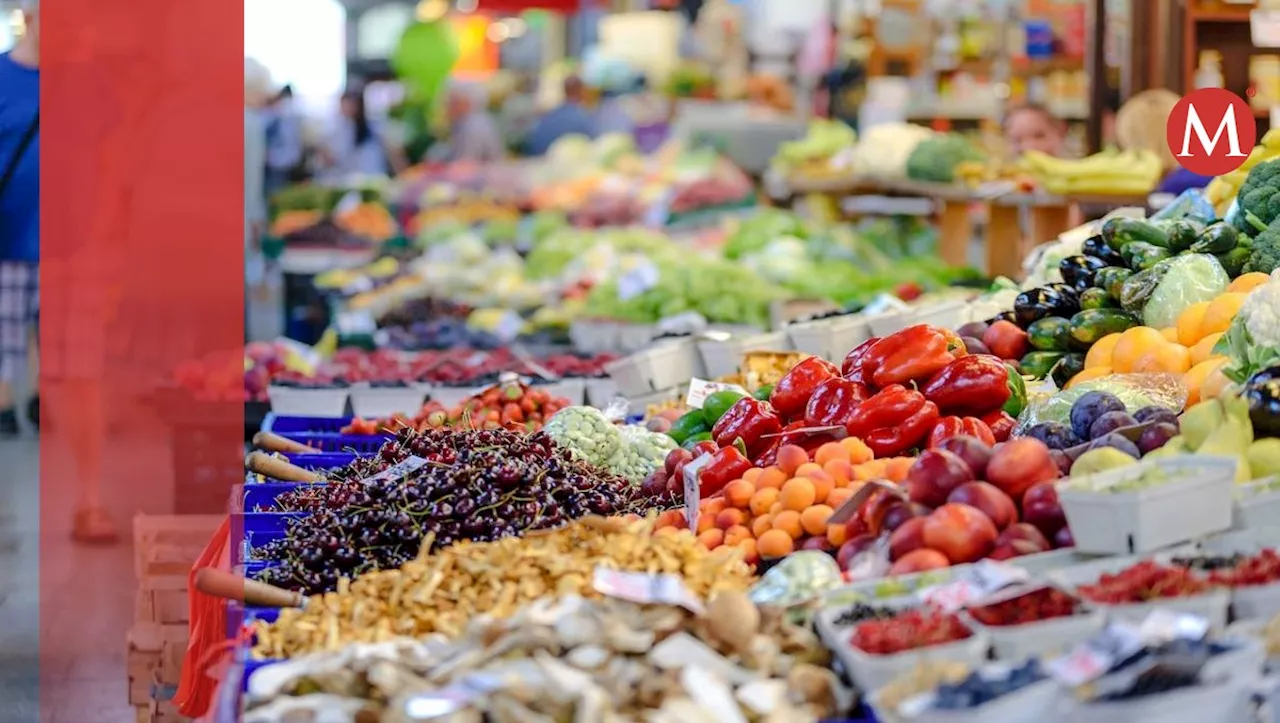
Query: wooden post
{"points": [[1004, 241], [1046, 224], [954, 232], [1096, 69]]}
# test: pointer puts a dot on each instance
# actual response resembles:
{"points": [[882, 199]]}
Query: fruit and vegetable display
{"points": [[1223, 190], [511, 405], [812, 156], [1143, 582], [908, 631], [1134, 172], [1043, 604]]}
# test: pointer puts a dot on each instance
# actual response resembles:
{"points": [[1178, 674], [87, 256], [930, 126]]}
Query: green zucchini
{"points": [[1066, 368], [1090, 325], [1038, 363], [1051, 333], [1139, 287], [1182, 234], [1125, 231], [1095, 298], [1217, 239], [1141, 255], [1234, 260], [1111, 280]]}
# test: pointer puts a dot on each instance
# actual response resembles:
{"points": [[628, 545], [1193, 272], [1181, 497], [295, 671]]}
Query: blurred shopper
{"points": [[353, 146], [518, 112], [613, 115], [473, 134], [1034, 128], [19, 215], [284, 141], [571, 117]]}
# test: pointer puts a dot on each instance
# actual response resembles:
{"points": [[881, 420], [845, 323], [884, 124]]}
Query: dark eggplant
{"points": [[1009, 316], [1068, 292], [1263, 394], [1079, 267], [1035, 304], [1097, 248], [1066, 368]]}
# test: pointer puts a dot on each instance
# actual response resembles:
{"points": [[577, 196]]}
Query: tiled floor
{"points": [[88, 607]]}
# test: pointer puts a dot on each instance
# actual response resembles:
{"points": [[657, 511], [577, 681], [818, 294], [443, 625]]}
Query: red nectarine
{"points": [[908, 537], [990, 499], [961, 532], [919, 561]]}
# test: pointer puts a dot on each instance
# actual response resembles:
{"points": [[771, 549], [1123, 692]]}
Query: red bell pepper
{"points": [[1001, 424], [834, 402], [792, 392], [909, 434], [893, 421], [769, 456], [726, 465], [748, 419], [971, 385], [793, 434], [949, 427], [853, 368], [913, 354]]}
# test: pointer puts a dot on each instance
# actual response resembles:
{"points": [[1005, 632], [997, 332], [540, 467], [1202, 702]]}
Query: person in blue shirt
{"points": [[571, 117], [19, 214]]}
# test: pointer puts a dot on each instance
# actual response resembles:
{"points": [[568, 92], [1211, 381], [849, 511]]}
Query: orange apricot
{"points": [[829, 452], [771, 477], [790, 458], [712, 538], [840, 471], [761, 524], [762, 500], [775, 543], [750, 553], [753, 474], [729, 517], [837, 534], [814, 519], [736, 534], [789, 522], [706, 522], [738, 493], [810, 469], [858, 450], [896, 469], [822, 487], [838, 496], [798, 493], [776, 507], [712, 506]]}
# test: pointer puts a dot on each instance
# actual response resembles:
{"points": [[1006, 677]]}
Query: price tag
{"points": [[644, 588], [350, 323], [1093, 658], [1162, 626], [846, 511], [358, 285], [398, 470], [980, 581], [693, 489], [348, 203], [637, 281], [700, 389]]}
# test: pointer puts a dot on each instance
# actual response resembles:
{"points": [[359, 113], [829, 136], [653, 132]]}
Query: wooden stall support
{"points": [[1003, 240], [955, 231]]}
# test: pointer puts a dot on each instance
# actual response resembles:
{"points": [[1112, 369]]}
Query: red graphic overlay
{"points": [[1211, 131], [141, 270]]}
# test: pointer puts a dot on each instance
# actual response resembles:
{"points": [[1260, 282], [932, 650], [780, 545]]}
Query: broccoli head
{"points": [[935, 158], [1265, 253], [1259, 198]]}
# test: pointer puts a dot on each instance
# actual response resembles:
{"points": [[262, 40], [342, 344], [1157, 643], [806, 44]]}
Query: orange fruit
{"points": [[875, 469], [1170, 334], [712, 538], [814, 519], [1134, 344], [1194, 379], [1221, 311], [738, 493], [840, 471], [1100, 353], [776, 507], [1248, 282], [1190, 322], [1215, 384], [730, 517], [1089, 373], [798, 493], [790, 457], [753, 474], [837, 535], [749, 552], [762, 500], [858, 450], [775, 543], [822, 487], [706, 522], [789, 522], [1170, 359], [829, 452], [712, 506], [896, 468], [810, 469], [761, 525], [772, 477], [736, 534], [838, 497], [1204, 348]]}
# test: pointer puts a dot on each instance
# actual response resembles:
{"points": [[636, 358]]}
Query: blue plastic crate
{"points": [[321, 460], [304, 425], [355, 444], [262, 496]]}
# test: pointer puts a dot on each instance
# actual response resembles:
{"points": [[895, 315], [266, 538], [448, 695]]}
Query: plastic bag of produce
{"points": [[1135, 390], [1188, 279], [586, 433], [799, 578], [640, 454], [1190, 204]]}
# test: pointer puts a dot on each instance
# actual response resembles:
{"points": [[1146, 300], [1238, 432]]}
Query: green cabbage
{"points": [[586, 433], [1190, 279]]}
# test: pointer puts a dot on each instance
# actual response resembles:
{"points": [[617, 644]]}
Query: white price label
{"points": [[982, 580], [1093, 658], [398, 470], [646, 589], [637, 281], [1162, 626], [1264, 28], [355, 322], [693, 489], [700, 389]]}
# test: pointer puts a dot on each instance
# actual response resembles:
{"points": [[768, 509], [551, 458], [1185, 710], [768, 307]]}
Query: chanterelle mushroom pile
{"points": [[569, 660]]}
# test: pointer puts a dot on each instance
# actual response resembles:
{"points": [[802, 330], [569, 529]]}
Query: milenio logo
{"points": [[1211, 131]]}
